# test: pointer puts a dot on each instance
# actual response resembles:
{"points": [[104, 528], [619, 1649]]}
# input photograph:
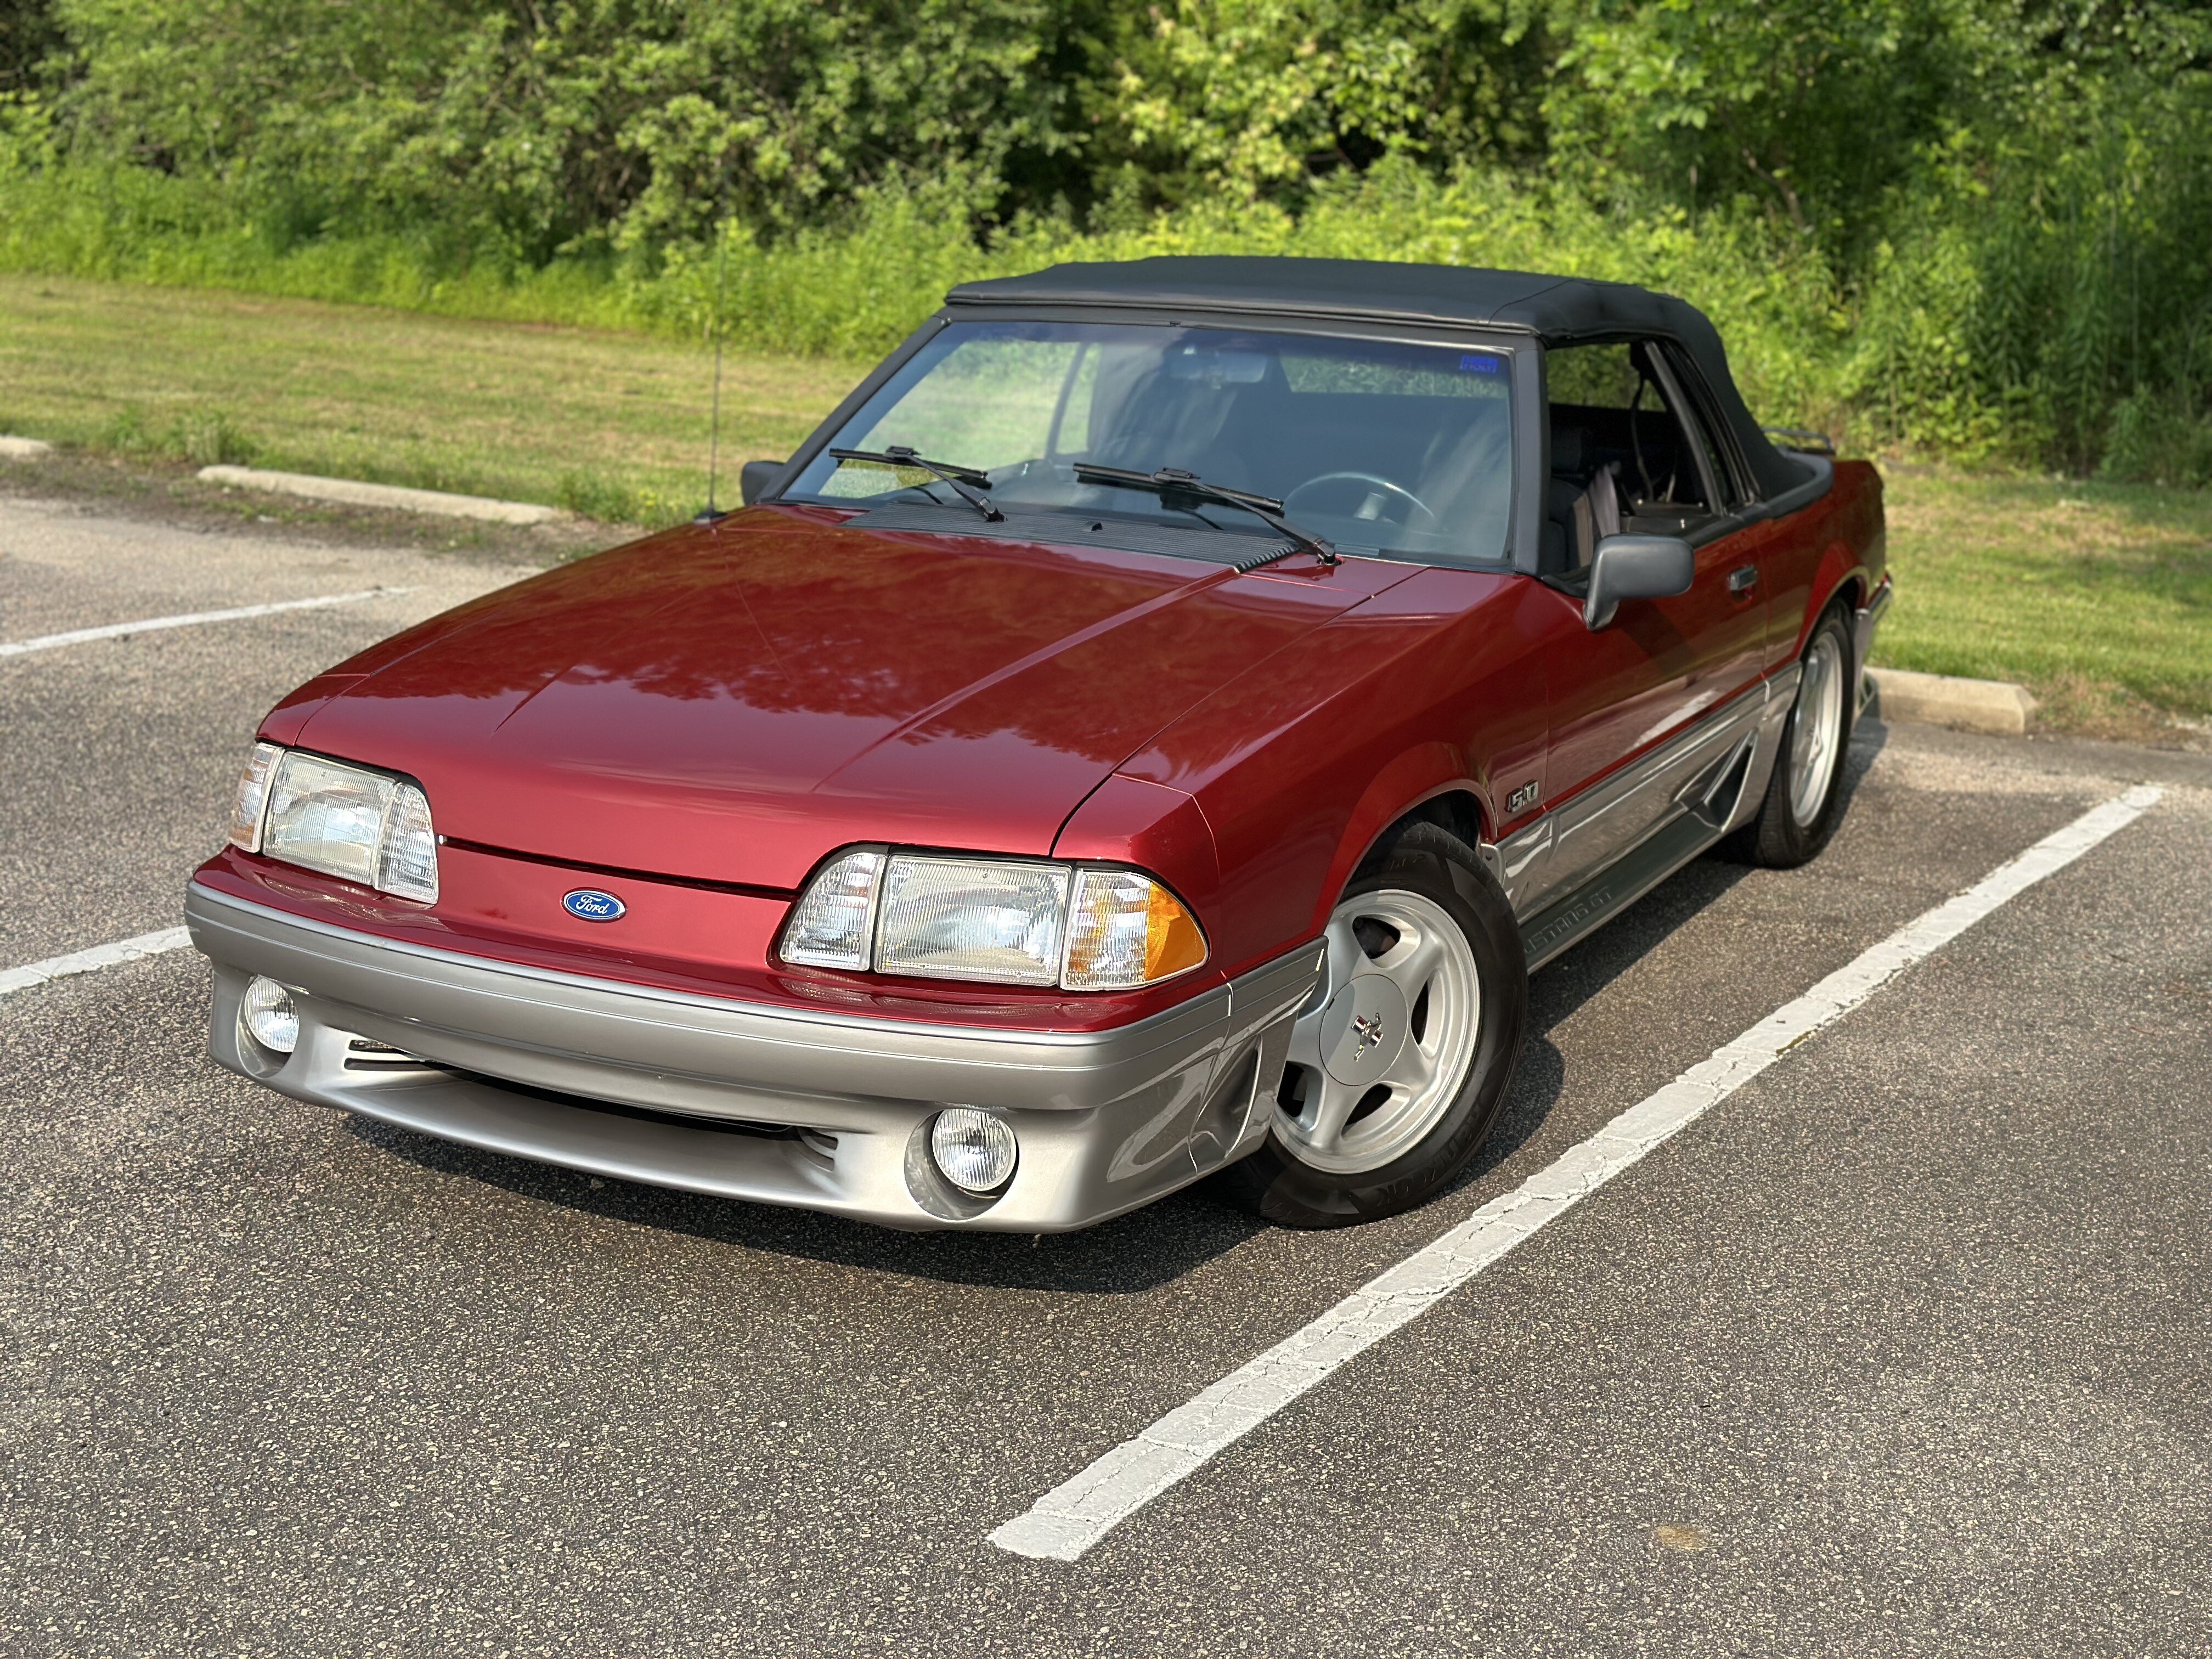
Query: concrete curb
{"points": [[23, 449], [356, 493], [1996, 706]]}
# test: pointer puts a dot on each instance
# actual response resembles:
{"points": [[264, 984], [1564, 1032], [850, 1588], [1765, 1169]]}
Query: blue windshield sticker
{"points": [[1481, 362]]}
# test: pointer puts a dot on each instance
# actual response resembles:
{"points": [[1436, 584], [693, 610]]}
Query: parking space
{"points": [[121, 751], [1898, 1349]]}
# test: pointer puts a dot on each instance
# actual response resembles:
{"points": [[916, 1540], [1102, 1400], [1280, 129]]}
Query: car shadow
{"points": [[1566, 983], [1135, 1253], [1571, 980]]}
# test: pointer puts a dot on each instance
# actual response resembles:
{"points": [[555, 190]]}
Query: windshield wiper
{"points": [[965, 482], [1170, 482]]}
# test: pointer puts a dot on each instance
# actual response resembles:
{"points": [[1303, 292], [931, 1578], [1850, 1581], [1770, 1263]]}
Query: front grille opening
{"points": [[366, 1054], [651, 1115]]}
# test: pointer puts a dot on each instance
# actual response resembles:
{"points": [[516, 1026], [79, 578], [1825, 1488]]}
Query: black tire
{"points": [[1429, 862], [1782, 837]]}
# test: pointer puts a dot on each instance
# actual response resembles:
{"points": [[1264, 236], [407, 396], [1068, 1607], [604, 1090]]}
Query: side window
{"points": [[1624, 456], [1727, 475]]}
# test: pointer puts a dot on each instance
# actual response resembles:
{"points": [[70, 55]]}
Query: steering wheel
{"points": [[1412, 501]]}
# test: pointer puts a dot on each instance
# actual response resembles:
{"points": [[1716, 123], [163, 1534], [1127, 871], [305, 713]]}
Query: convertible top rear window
{"points": [[1383, 447]]}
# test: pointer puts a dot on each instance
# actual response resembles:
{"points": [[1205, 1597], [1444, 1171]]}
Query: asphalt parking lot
{"points": [[1899, 1349]]}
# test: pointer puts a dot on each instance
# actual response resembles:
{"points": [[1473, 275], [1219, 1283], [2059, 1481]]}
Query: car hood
{"points": [[729, 704]]}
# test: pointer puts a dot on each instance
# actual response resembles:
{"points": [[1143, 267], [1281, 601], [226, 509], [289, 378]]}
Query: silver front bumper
{"points": [[817, 1109]]}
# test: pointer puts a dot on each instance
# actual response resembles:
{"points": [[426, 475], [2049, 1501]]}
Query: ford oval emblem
{"points": [[590, 904]]}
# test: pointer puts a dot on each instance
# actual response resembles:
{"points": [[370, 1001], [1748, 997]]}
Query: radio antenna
{"points": [[711, 515]]}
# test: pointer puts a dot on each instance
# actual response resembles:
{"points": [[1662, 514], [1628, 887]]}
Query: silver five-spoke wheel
{"points": [[1798, 811], [1817, 732], [1384, 1048]]}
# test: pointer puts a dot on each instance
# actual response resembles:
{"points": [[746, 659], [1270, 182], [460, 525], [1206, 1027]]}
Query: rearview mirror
{"points": [[1636, 567], [755, 476]]}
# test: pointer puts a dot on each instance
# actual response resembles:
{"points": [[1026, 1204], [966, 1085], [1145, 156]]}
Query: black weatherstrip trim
{"points": [[1820, 479], [743, 889]]}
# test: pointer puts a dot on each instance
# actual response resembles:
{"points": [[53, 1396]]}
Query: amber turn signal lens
{"points": [[1173, 944], [1124, 930]]}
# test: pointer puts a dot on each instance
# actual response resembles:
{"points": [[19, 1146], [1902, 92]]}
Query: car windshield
{"points": [[1380, 446]]}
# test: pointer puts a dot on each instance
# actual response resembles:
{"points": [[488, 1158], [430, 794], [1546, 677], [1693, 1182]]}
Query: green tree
{"points": [[539, 126], [1259, 97], [30, 37], [1819, 108]]}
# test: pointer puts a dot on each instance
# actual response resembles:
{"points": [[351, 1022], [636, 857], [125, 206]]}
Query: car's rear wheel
{"points": [[1400, 1062], [1804, 796]]}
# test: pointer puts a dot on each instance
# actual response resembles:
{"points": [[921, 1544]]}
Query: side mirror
{"points": [[1636, 567], [755, 476]]}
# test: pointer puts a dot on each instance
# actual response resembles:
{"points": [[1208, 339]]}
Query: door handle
{"points": [[1743, 578]]}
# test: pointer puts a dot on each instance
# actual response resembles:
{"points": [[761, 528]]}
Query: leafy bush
{"points": [[203, 437], [514, 132], [609, 500], [2054, 299], [2161, 441]]}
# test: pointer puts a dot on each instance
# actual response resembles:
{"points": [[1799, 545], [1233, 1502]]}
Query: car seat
{"points": [[1582, 504]]}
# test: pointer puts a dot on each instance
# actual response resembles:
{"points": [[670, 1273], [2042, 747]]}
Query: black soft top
{"points": [[1557, 310]]}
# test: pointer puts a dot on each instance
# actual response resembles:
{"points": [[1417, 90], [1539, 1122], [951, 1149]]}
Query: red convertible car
{"points": [[1152, 730]]}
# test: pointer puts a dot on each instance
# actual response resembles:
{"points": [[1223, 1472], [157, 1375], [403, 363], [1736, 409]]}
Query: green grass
{"points": [[612, 425], [858, 290], [2098, 597]]}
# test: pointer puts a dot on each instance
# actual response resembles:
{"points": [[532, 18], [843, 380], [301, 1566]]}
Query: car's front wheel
{"points": [[1400, 1062]]}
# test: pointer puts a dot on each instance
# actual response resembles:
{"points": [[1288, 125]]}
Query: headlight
{"points": [[834, 923], [1000, 921], [343, 820], [953, 919], [253, 796]]}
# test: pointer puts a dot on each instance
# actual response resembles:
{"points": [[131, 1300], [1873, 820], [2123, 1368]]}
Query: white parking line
{"points": [[85, 962], [118, 630], [1068, 1521]]}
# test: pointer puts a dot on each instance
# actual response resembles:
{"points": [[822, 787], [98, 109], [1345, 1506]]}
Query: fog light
{"points": [[975, 1151], [269, 1016]]}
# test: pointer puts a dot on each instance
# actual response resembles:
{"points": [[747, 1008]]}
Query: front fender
{"points": [[1426, 772], [1429, 688]]}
